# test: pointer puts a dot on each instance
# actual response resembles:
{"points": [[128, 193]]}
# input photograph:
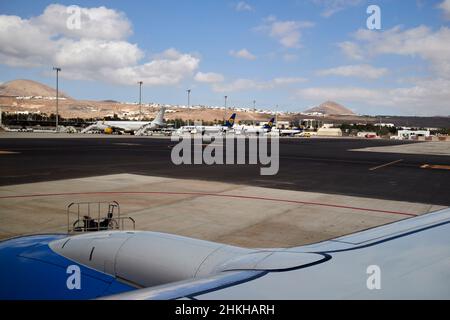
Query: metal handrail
{"points": [[92, 221], [113, 224]]}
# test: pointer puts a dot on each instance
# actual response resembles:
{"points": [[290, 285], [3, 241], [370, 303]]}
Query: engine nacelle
{"points": [[147, 258], [109, 130]]}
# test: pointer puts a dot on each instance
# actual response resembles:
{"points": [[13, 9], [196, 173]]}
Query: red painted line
{"points": [[207, 194]]}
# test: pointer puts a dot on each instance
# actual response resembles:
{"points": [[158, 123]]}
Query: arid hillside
{"points": [[31, 96], [28, 88]]}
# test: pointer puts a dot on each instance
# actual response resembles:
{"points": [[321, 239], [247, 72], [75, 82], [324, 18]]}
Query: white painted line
{"points": [[385, 165]]}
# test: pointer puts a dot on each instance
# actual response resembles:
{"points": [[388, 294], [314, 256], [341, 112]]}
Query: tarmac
{"points": [[324, 188], [441, 148], [313, 165], [224, 212]]}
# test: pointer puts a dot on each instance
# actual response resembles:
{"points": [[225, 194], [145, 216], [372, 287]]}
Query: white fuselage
{"points": [[123, 125], [202, 129], [251, 129], [288, 132], [129, 126]]}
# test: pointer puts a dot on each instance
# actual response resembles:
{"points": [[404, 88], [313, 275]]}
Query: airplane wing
{"points": [[409, 259], [185, 289]]}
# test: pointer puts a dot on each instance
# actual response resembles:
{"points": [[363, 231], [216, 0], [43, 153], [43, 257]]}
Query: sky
{"points": [[286, 55]]}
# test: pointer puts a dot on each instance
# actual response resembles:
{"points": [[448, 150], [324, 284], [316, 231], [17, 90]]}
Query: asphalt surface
{"points": [[316, 165]]}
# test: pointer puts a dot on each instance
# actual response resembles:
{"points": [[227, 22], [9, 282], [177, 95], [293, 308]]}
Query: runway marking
{"points": [[435, 166], [8, 152], [385, 165], [207, 194]]}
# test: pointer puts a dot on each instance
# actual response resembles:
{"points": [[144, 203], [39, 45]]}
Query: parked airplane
{"points": [[256, 130], [408, 259], [269, 129], [135, 127], [209, 129], [289, 132]]}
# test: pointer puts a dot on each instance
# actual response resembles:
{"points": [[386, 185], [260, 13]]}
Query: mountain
{"points": [[331, 108], [27, 88]]}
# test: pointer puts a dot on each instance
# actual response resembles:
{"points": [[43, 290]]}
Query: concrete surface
{"points": [[225, 212], [435, 148]]}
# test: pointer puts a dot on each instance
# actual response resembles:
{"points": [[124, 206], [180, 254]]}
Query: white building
{"points": [[283, 124], [329, 132], [385, 125], [365, 134], [408, 134]]}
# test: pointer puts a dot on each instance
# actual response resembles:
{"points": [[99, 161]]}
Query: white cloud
{"points": [[351, 50], [333, 6], [445, 6], [23, 45], [243, 54], [338, 93], [288, 80], [169, 69], [96, 23], [239, 85], [288, 33], [243, 6], [432, 46], [209, 77], [360, 71], [96, 54], [97, 51], [424, 97], [249, 84]]}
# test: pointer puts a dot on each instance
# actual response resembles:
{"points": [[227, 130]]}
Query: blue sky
{"points": [[294, 54]]}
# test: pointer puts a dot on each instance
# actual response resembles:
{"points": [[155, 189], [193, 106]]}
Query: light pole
{"points": [[254, 110], [189, 100], [225, 112], [57, 69], [140, 99], [276, 117]]}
